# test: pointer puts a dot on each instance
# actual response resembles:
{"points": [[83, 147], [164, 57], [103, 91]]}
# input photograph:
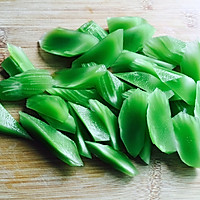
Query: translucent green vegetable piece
{"points": [[68, 43], [24, 85], [94, 125], [145, 153], [126, 94], [62, 146], [187, 138], [68, 125], [78, 78], [51, 106], [135, 37], [181, 106], [94, 29], [110, 89], [165, 48], [105, 52], [190, 64], [9, 126], [80, 97], [17, 62], [109, 120], [116, 159], [10, 66], [197, 101], [125, 61], [143, 80], [125, 23], [132, 122], [180, 84], [81, 135], [160, 122]]}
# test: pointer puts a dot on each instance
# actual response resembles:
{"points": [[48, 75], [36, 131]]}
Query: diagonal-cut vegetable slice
{"points": [[62, 146], [109, 120], [68, 43], [187, 136], [94, 125], [132, 121], [9, 126], [105, 52], [160, 122], [165, 48], [116, 159], [24, 85]]}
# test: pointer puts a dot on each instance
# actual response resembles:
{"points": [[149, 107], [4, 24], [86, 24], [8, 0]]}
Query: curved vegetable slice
{"points": [[109, 120], [94, 125], [68, 43], [197, 101], [116, 159], [78, 78], [62, 146], [9, 126], [110, 89], [105, 52], [165, 48], [80, 97], [190, 64], [17, 62], [187, 138], [132, 120], [125, 23], [135, 37], [125, 61], [160, 122], [24, 85], [51, 106], [94, 29]]}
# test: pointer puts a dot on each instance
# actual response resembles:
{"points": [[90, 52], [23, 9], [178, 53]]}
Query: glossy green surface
{"points": [[187, 136], [78, 78], [109, 120], [94, 125], [116, 159], [94, 29], [68, 43], [197, 101], [9, 126], [190, 64], [160, 122], [165, 48], [105, 52], [132, 122], [25, 84], [56, 142]]}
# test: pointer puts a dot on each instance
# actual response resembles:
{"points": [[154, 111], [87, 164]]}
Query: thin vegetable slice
{"points": [[94, 29], [94, 125], [9, 126], [197, 101], [187, 138], [80, 97], [17, 62], [109, 120], [165, 48], [132, 120], [116, 159], [60, 145], [125, 23], [160, 122], [78, 78], [68, 43], [190, 64], [125, 61], [110, 89], [24, 85], [105, 52]]}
